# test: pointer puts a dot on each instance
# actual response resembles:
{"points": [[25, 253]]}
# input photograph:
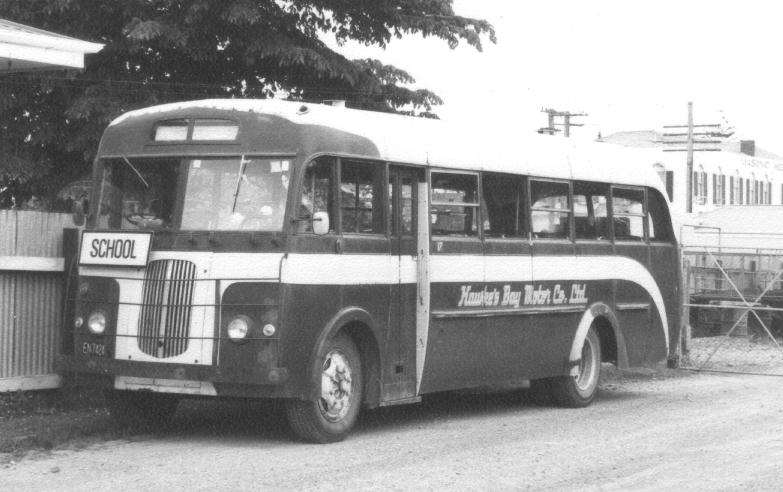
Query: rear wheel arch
{"points": [[602, 319]]}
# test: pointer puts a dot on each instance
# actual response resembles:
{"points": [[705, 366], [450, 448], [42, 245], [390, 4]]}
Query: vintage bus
{"points": [[338, 259]]}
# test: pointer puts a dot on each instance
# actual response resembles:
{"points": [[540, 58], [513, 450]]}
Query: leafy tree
{"points": [[167, 50]]}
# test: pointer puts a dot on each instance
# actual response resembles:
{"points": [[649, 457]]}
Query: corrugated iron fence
{"points": [[31, 296]]}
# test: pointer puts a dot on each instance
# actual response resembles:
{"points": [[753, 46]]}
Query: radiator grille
{"points": [[167, 297]]}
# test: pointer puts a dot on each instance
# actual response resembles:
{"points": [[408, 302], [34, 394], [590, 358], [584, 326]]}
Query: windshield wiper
{"points": [[242, 167], [144, 181]]}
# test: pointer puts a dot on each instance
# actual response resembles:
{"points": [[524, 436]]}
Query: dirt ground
{"points": [[649, 430]]}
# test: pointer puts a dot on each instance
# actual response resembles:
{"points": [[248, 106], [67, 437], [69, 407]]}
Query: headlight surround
{"points": [[96, 323], [238, 328]]}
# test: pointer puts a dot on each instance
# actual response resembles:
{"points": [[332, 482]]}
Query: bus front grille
{"points": [[167, 297]]}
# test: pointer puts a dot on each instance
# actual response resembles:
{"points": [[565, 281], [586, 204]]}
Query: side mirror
{"points": [[77, 214], [320, 223]]}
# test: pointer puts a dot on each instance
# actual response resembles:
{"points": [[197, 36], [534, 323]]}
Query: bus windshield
{"points": [[209, 194]]}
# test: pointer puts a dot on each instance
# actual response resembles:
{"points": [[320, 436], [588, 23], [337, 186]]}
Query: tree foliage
{"points": [[167, 50]]}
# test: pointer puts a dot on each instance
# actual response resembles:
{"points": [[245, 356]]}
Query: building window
{"points": [[731, 190], [742, 183], [700, 186]]}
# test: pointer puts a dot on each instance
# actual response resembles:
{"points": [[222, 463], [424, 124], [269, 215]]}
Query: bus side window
{"points": [[360, 197], [549, 209], [501, 196], [454, 210], [316, 194], [659, 222], [628, 214], [591, 217]]}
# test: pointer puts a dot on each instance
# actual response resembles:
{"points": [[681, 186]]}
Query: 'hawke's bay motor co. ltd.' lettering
{"points": [[530, 295], [113, 248]]}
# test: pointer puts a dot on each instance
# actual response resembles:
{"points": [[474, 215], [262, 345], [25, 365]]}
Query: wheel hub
{"points": [[336, 386]]}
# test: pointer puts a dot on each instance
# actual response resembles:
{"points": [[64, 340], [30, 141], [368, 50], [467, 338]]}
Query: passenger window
{"points": [[401, 184], [659, 223], [628, 214], [549, 209], [501, 195], [591, 217], [360, 198], [316, 194], [455, 205]]}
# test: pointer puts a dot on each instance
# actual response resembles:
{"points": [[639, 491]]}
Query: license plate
{"points": [[91, 348]]}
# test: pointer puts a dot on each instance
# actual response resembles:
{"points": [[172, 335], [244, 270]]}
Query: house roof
{"points": [[653, 139], [24, 48]]}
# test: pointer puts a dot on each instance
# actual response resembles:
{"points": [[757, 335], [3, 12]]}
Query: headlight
{"points": [[97, 323], [238, 328]]}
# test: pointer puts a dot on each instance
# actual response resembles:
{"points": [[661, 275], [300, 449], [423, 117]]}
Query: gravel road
{"points": [[647, 431]]}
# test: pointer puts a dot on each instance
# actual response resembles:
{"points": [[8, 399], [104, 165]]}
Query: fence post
{"points": [[685, 320], [71, 255]]}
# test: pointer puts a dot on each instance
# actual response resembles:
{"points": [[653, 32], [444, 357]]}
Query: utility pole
{"points": [[708, 137], [552, 114]]}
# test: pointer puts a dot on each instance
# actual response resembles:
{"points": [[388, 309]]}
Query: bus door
{"points": [[401, 341]]}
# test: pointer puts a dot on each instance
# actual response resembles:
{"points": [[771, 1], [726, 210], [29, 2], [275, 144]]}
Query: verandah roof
{"points": [[25, 49]]}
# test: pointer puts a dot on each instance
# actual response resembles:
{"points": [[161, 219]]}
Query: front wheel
{"points": [[332, 415], [580, 388]]}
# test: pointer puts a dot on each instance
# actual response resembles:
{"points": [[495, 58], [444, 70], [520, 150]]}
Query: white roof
{"points": [[25, 48], [484, 146]]}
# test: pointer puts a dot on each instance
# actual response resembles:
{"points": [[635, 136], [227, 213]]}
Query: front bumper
{"points": [[261, 375]]}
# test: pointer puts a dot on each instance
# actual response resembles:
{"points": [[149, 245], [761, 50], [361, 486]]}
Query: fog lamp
{"points": [[238, 328], [97, 322], [78, 322]]}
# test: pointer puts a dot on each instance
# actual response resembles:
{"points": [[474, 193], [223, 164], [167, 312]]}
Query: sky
{"points": [[631, 65]]}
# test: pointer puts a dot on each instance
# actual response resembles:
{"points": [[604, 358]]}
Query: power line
{"points": [[553, 114]]}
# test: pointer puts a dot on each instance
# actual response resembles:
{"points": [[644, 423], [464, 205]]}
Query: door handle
{"points": [[338, 246]]}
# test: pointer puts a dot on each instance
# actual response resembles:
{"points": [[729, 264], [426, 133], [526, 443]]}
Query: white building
{"points": [[739, 175]]}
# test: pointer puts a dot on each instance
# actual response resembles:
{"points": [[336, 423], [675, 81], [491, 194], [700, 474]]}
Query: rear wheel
{"points": [[580, 388], [332, 415], [141, 410]]}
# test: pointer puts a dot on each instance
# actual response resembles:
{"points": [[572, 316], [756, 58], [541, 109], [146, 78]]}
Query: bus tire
{"points": [[580, 389], [141, 410], [331, 416]]}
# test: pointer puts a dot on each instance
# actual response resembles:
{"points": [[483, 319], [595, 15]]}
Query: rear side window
{"points": [[659, 222], [628, 214], [550, 211], [591, 216], [454, 204]]}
